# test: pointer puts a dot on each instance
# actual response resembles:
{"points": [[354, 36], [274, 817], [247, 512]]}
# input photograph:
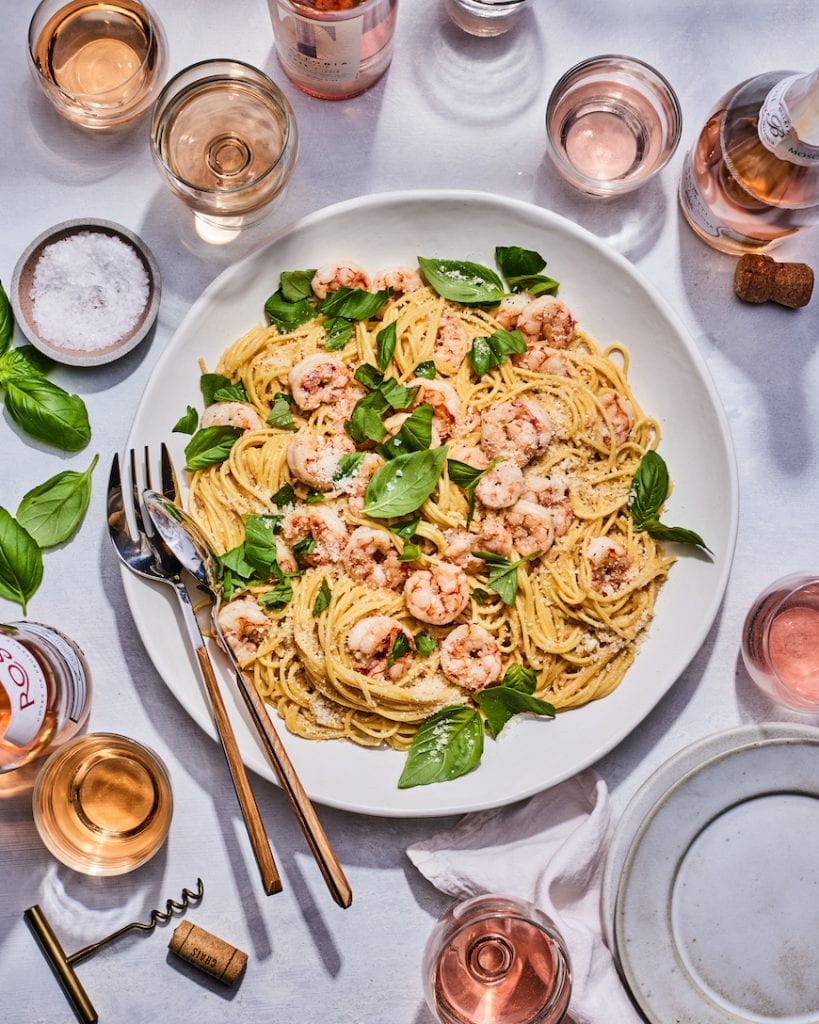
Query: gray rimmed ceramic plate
{"points": [[22, 304]]}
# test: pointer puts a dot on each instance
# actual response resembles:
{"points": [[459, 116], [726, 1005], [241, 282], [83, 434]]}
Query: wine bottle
{"points": [[752, 178]]}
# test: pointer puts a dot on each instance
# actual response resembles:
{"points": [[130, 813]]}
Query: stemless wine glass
{"points": [[225, 140], [496, 958], [780, 642], [100, 65], [485, 17]]}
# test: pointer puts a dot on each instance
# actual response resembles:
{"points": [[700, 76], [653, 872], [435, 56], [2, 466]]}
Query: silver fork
{"points": [[144, 553]]}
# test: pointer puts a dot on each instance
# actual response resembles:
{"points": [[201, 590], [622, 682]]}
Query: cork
{"points": [[208, 952], [759, 278]]}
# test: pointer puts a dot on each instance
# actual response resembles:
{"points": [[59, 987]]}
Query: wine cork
{"points": [[208, 952], [759, 278]]}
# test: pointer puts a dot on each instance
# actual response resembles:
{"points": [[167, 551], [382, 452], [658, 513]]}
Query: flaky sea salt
{"points": [[88, 291]]}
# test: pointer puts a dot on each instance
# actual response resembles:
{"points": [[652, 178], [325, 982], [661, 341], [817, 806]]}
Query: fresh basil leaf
{"points": [[210, 383], [678, 534], [404, 483], [230, 586], [281, 415], [534, 285], [649, 489], [52, 512], [188, 423], [353, 303], [489, 352], [48, 413], [337, 332], [503, 574], [520, 677], [385, 341], [21, 562], [260, 543], [480, 595], [462, 281], [365, 423], [400, 647], [232, 392], [287, 316], [305, 546], [348, 465], [425, 644], [426, 370], [468, 478], [314, 497], [210, 446], [410, 553], [6, 321], [396, 395], [500, 703], [405, 529], [280, 594], [236, 561], [23, 362], [414, 435], [446, 745], [368, 377], [296, 285], [284, 496], [517, 262], [323, 597]]}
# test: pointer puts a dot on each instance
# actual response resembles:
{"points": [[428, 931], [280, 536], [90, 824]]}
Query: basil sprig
{"points": [[52, 512], [487, 353], [446, 745], [467, 478], [404, 483], [21, 562], [521, 268], [461, 281], [649, 490], [187, 423], [210, 446], [512, 697], [503, 574]]}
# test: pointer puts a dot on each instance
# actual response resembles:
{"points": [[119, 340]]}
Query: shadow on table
{"points": [[755, 706]]}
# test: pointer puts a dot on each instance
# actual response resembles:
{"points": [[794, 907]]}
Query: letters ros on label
{"points": [[25, 685]]}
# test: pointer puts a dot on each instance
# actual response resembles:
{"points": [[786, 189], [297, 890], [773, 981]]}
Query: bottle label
{"points": [[694, 205], [26, 688], [776, 129], [75, 683], [321, 51]]}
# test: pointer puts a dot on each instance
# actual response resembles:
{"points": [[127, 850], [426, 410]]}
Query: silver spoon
{"points": [[183, 536]]}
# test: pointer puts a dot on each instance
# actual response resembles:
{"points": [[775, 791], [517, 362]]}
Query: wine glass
{"points": [[496, 958], [224, 138]]}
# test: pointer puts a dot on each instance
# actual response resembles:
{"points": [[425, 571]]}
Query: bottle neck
{"points": [[789, 119]]}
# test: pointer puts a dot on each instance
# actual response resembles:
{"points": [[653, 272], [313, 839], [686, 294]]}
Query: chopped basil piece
{"points": [[314, 497], [305, 546], [337, 332], [500, 703], [405, 529], [468, 477], [480, 595], [353, 303], [284, 496], [281, 593], [236, 561], [188, 423], [365, 423], [426, 370], [287, 316], [385, 344], [296, 285], [400, 647], [260, 542], [410, 553], [210, 446], [414, 435], [425, 644], [521, 268], [281, 414], [218, 388], [503, 574], [348, 465], [322, 602], [487, 353], [520, 677]]}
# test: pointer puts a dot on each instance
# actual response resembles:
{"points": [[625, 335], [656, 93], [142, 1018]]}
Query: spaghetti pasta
{"points": [[550, 439]]}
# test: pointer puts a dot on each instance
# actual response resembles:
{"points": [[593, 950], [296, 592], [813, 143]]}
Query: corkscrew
{"points": [[63, 964]]}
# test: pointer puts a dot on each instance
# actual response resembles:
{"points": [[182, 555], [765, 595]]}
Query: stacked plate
{"points": [[711, 888]]}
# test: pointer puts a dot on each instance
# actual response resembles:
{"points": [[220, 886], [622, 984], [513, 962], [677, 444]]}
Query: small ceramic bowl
{"points": [[23, 305]]}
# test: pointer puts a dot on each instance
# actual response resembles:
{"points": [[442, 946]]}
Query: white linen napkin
{"points": [[549, 850]]}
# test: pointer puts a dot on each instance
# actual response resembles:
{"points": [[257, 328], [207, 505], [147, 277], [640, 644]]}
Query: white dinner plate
{"points": [[717, 916], [612, 302]]}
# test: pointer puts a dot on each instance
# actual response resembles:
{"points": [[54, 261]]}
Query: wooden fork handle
{"points": [[250, 810]]}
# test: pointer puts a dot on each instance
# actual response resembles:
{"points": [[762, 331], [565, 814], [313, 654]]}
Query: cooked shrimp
{"points": [[371, 558], [470, 657], [333, 276], [444, 401], [611, 567], [232, 414], [342, 408], [531, 527], [370, 642], [500, 486], [491, 534], [618, 414], [451, 342], [547, 318], [317, 380], [509, 311], [313, 458], [399, 279], [517, 430], [244, 626], [324, 526], [285, 557], [542, 359], [471, 454], [356, 485], [550, 492], [437, 595], [394, 423]]}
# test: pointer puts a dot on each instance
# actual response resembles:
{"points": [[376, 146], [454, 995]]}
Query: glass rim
{"points": [[801, 583], [614, 187], [152, 34], [276, 94]]}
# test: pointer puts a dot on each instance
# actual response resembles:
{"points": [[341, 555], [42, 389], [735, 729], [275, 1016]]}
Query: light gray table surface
{"points": [[453, 111]]}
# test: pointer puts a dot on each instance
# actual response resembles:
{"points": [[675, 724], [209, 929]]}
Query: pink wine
{"points": [[500, 969], [793, 645]]}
